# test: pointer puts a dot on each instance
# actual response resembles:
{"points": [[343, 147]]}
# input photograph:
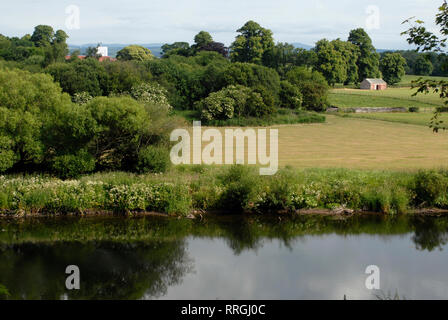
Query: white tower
{"points": [[102, 51]]}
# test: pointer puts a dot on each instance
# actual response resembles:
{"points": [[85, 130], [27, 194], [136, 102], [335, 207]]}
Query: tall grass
{"points": [[232, 189]]}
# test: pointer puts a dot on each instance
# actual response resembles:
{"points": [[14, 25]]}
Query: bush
{"points": [[430, 188], [153, 159], [240, 189], [235, 102], [290, 96], [29, 105], [82, 98], [414, 109], [312, 85], [122, 126], [151, 93], [80, 76], [73, 165]]}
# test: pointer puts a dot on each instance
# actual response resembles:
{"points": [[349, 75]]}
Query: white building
{"points": [[103, 51]]}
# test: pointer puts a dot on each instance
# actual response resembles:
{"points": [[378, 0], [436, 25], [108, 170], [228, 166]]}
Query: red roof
{"points": [[101, 59]]}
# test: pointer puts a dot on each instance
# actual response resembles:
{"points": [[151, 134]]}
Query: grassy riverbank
{"points": [[236, 189]]}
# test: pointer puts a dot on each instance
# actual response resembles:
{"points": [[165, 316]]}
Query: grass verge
{"points": [[234, 189]]}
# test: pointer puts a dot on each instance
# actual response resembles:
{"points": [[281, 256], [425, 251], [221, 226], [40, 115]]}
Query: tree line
{"points": [[72, 115]]}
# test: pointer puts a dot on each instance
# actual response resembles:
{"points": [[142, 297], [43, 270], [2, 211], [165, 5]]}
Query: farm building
{"points": [[374, 84]]}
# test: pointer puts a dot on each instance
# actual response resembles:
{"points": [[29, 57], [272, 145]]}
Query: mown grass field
{"points": [[357, 143], [421, 118], [362, 144], [392, 97], [407, 79]]}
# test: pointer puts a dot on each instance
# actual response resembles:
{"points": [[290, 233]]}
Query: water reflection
{"points": [[222, 257]]}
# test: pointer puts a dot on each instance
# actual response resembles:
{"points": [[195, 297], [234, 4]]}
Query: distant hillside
{"points": [[156, 48], [302, 45]]}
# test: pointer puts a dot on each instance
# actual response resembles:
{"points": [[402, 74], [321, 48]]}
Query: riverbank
{"points": [[194, 190]]}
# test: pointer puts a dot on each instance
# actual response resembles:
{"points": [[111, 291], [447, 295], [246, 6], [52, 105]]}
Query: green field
{"points": [[421, 119], [392, 97], [407, 79]]}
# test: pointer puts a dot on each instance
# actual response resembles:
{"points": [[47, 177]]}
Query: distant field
{"points": [[421, 119], [407, 79], [357, 143], [362, 144], [392, 97]]}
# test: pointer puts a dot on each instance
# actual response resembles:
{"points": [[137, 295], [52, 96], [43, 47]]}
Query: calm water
{"points": [[224, 258]]}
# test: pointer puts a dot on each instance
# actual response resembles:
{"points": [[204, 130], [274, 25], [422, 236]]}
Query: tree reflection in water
{"points": [[134, 258]]}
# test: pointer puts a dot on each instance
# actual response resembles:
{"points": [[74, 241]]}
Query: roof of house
{"points": [[376, 81], [101, 59]]}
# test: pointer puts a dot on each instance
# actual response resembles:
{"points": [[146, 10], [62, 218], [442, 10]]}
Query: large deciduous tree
{"points": [[392, 66], [369, 60], [251, 44], [135, 53], [427, 41]]}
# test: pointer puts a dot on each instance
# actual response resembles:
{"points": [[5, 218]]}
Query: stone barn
{"points": [[374, 84]]}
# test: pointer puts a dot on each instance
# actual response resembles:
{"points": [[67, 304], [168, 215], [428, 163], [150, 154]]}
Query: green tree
{"points": [[43, 36], [290, 96], [252, 43], [427, 41], [253, 76], [392, 66], [202, 39], [330, 62], [423, 66], [280, 57], [350, 54], [29, 105], [79, 76], [369, 59], [312, 85], [177, 48], [135, 53]]}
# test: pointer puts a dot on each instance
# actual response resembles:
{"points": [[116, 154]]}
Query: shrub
{"points": [[82, 98], [290, 96], [240, 188], [153, 159], [429, 187], [122, 124], [312, 85], [73, 165], [235, 101], [152, 93], [163, 198], [29, 104], [414, 109]]}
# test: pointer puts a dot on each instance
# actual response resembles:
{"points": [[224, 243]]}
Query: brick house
{"points": [[374, 84]]}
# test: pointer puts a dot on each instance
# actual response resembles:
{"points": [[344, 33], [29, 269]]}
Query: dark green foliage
{"points": [[392, 67], [414, 109], [430, 188], [80, 76], [153, 159], [368, 60], [251, 44], [29, 105], [290, 96], [240, 189], [423, 66], [312, 85], [73, 165], [252, 75]]}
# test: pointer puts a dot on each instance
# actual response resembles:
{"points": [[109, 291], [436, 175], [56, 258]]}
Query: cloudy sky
{"points": [[162, 21]]}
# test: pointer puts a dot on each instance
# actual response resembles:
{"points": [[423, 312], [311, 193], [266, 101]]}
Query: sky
{"points": [[167, 21]]}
